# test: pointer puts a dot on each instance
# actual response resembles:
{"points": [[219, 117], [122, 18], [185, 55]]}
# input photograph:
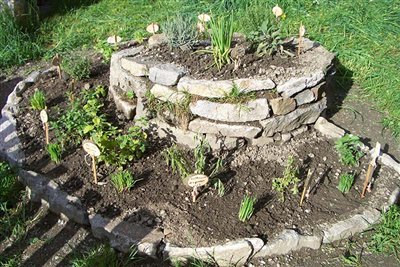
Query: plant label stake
{"points": [[56, 61], [306, 186], [93, 150], [45, 120], [371, 168], [302, 31], [196, 181]]}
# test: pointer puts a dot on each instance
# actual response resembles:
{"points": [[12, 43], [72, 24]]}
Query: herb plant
{"points": [[78, 67], [174, 158], [345, 182], [246, 208], [349, 151], [106, 50], [290, 178], [54, 151], [38, 100], [180, 32], [123, 180]]}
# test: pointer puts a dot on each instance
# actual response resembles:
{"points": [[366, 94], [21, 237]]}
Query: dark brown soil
{"points": [[160, 199], [200, 64]]}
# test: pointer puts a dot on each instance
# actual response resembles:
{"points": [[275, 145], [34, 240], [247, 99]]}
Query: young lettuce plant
{"points": [[247, 208]]}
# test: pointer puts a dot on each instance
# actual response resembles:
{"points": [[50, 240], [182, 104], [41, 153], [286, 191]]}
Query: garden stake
{"points": [[44, 118], [56, 61], [306, 186], [196, 181], [92, 149], [371, 168], [302, 31]]}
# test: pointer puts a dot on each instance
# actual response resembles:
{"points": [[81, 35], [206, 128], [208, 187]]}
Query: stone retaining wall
{"points": [[293, 98]]}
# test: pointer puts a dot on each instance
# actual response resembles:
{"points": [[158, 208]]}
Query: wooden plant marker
{"points": [[371, 168], [196, 181], [93, 150], [45, 120], [306, 187], [302, 31], [56, 61]]}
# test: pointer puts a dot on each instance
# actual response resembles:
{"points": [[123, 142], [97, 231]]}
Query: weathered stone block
{"points": [[295, 85], [261, 141], [165, 93], [305, 97], [166, 74], [137, 66], [223, 142], [251, 111], [127, 107], [204, 126], [282, 106], [328, 129], [300, 130], [157, 39]]}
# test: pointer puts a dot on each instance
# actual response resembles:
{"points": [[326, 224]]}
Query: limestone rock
{"points": [[299, 130], [157, 39], [304, 97], [261, 141], [286, 137], [137, 66], [204, 126], [282, 106], [251, 111], [165, 93], [319, 90], [295, 85], [328, 129], [223, 142], [166, 74], [127, 107], [293, 120]]}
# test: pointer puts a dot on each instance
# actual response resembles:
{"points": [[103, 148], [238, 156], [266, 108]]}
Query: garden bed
{"points": [[161, 200]]}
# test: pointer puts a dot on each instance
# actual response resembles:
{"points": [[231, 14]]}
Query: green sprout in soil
{"points": [[180, 32], [175, 159], [246, 208], [38, 100], [130, 95], [351, 260], [235, 96], [54, 151], [290, 178], [345, 182], [219, 186], [348, 148], [386, 239], [123, 180]]}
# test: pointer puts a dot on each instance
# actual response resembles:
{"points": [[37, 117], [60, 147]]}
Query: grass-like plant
{"points": [[55, 151], [176, 160], [180, 31], [349, 151], [235, 96], [221, 39], [130, 95], [123, 180], [345, 182], [290, 178], [9, 184], [386, 239], [38, 100], [219, 186], [246, 208], [77, 66]]}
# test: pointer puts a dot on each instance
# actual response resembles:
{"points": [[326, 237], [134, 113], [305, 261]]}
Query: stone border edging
{"points": [[122, 234]]}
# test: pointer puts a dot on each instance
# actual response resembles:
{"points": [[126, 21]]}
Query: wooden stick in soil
{"points": [[306, 186], [302, 31], [93, 150], [371, 169], [94, 169], [195, 193], [44, 118]]}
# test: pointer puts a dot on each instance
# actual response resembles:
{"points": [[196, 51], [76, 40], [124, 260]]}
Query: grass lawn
{"points": [[365, 35]]}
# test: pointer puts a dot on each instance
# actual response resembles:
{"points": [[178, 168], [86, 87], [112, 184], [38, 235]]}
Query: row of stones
{"points": [[122, 234]]}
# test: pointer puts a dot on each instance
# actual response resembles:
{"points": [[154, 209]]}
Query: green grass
{"points": [[246, 208], [345, 182], [9, 185], [123, 180]]}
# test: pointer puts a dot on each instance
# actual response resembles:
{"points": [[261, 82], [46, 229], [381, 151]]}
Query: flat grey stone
{"points": [[204, 126], [295, 85], [59, 201], [232, 253], [390, 162], [219, 89], [137, 66], [141, 111], [166, 74], [253, 110], [319, 90], [33, 77], [10, 146], [328, 129], [123, 234], [166, 93], [21, 87], [313, 242], [126, 107], [294, 119], [261, 141], [122, 79], [286, 137], [223, 142], [157, 39], [282, 106], [305, 97], [300, 130]]}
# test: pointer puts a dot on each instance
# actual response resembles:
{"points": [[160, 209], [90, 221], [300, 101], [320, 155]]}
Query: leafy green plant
{"points": [[349, 151], [221, 39], [130, 95], [267, 39], [345, 182], [123, 180], [386, 239], [351, 260], [246, 208], [77, 66], [54, 151], [180, 31], [38, 100], [290, 178], [106, 50]]}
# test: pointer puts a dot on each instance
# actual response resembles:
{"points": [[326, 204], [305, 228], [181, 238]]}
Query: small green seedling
{"points": [[219, 186], [290, 178], [175, 159], [349, 151], [345, 182], [123, 180], [38, 100], [54, 151], [246, 208], [130, 95]]}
